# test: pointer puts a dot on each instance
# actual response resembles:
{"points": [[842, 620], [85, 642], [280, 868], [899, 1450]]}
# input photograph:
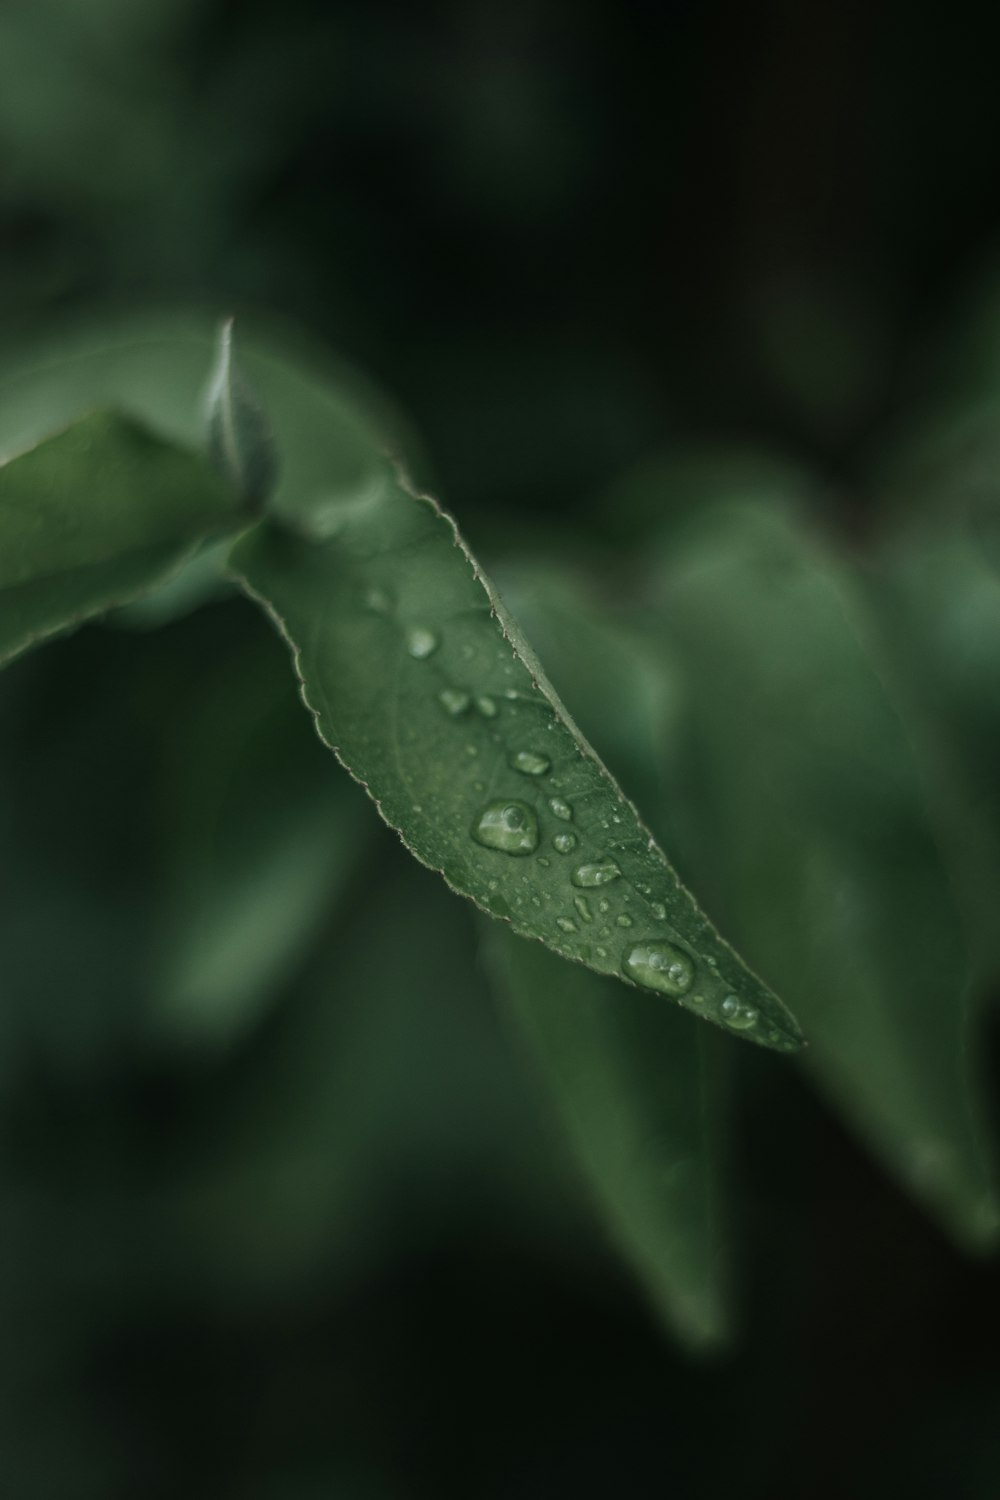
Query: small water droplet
{"points": [[603, 906], [659, 912], [560, 808], [580, 902], [377, 600], [511, 693], [602, 952], [487, 707], [563, 843], [595, 874], [565, 925], [697, 999], [659, 966], [544, 861], [536, 900], [471, 749], [454, 701], [737, 1014], [510, 827], [468, 652], [530, 764], [624, 920], [421, 643]]}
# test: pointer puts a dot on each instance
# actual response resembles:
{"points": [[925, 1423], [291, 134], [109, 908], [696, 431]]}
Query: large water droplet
{"points": [[659, 966], [454, 701], [737, 1014], [421, 642], [508, 826], [596, 874], [564, 842], [561, 809], [530, 764]]}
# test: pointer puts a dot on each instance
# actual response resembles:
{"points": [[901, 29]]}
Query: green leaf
{"points": [[430, 697], [937, 598], [817, 848], [240, 438], [261, 841], [639, 1091], [93, 517]]}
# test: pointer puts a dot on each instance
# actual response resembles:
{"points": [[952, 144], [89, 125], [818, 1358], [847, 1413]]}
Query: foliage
{"points": [[314, 1178], [745, 703]]}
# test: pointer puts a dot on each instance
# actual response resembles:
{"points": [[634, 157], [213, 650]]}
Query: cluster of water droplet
{"points": [[510, 826]]}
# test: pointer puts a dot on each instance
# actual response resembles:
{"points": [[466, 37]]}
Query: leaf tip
{"points": [[240, 436]]}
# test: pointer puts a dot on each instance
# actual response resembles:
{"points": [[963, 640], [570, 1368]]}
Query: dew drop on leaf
{"points": [[624, 920], [589, 876], [565, 925], [487, 707], [510, 827], [738, 1015], [421, 643], [581, 904], [454, 701], [659, 966], [563, 843], [561, 809], [530, 764]]}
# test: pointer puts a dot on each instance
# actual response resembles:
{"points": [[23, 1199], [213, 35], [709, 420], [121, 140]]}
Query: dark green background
{"points": [[345, 1255]]}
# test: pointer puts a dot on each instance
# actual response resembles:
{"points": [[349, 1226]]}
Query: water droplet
{"points": [[544, 862], [487, 707], [471, 749], [530, 764], [508, 826], [603, 906], [560, 808], [468, 652], [697, 999], [624, 920], [421, 642], [536, 900], [659, 912], [737, 1014], [602, 952], [580, 902], [596, 874], [454, 701], [377, 600], [659, 966], [564, 842], [565, 925]]}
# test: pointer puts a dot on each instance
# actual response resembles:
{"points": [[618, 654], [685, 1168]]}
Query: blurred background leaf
{"points": [[815, 841]]}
